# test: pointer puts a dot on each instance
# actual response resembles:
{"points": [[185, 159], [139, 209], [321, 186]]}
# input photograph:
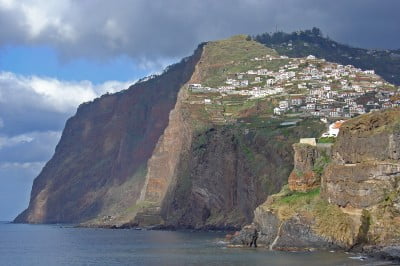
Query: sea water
{"points": [[22, 244]]}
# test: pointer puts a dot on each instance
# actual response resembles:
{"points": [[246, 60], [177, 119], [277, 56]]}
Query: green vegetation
{"points": [[328, 220], [296, 197], [141, 205], [228, 57], [326, 140], [321, 163], [334, 224]]}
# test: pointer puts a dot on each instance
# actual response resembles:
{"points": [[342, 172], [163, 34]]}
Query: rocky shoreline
{"points": [[351, 203]]}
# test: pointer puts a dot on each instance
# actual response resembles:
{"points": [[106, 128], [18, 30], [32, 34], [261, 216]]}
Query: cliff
{"points": [[210, 170], [99, 165], [157, 155], [357, 203]]}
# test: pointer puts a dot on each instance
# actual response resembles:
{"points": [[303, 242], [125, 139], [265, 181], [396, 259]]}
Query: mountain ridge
{"points": [[302, 43], [173, 171]]}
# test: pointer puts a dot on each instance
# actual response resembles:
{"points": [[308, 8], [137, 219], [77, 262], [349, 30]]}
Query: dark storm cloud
{"points": [[150, 30]]}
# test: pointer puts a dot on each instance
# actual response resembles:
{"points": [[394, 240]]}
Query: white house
{"points": [[278, 111], [270, 82], [310, 106], [333, 130], [262, 72], [296, 101], [371, 72], [284, 105]]}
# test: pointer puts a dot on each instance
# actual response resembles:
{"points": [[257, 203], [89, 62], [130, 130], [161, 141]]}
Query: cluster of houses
{"points": [[311, 87]]}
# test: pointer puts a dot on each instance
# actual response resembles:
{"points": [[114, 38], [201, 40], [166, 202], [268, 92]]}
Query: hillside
{"points": [[201, 145], [386, 63]]}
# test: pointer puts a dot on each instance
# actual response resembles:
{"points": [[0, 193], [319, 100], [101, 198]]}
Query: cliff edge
{"points": [[99, 165]]}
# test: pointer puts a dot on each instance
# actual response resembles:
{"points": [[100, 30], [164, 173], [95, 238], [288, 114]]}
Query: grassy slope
{"points": [[327, 220]]}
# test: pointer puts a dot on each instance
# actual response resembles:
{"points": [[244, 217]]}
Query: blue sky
{"points": [[44, 61], [56, 54]]}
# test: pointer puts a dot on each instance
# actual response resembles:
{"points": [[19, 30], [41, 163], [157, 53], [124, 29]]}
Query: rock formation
{"points": [[99, 165], [358, 206], [309, 162], [155, 155]]}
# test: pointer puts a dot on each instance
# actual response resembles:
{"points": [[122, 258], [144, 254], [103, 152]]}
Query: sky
{"points": [[57, 54]]}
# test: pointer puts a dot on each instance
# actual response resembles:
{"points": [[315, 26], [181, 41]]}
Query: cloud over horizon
{"points": [[153, 30], [33, 111]]}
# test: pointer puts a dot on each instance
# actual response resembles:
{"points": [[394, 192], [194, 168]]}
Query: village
{"points": [[308, 87]]}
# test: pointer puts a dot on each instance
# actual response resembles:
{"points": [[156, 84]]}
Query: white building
{"points": [[371, 72], [333, 130], [310, 106], [278, 111], [284, 105], [262, 72], [270, 82]]}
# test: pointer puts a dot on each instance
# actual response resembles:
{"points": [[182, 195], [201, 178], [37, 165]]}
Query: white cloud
{"points": [[50, 93], [34, 110], [15, 140], [17, 165], [29, 146]]}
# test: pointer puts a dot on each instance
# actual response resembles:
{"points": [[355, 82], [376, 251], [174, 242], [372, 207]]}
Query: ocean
{"points": [[22, 244]]}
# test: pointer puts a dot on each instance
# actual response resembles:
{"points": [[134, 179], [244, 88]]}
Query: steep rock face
{"points": [[360, 195], [360, 185], [156, 154], [99, 165], [308, 160], [208, 171], [371, 137], [226, 174], [162, 166], [365, 167], [216, 186]]}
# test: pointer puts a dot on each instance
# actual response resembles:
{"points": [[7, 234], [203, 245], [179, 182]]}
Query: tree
{"points": [[316, 31]]}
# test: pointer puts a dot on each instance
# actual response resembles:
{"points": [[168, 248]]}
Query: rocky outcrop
{"points": [[371, 137], [358, 206], [309, 161], [366, 166], [360, 185], [365, 173], [285, 227]]}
